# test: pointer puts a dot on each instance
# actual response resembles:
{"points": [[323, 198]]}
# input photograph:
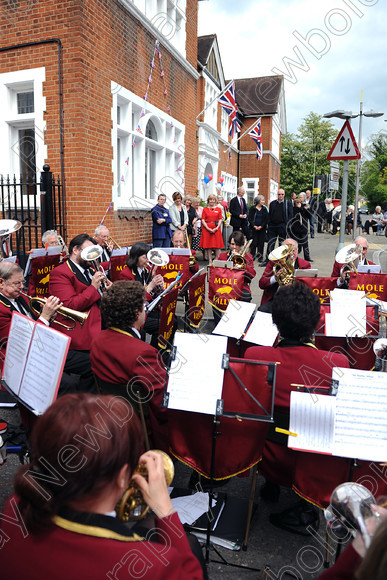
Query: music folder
{"points": [[34, 362]]}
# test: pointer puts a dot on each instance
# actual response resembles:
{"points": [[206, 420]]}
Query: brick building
{"points": [[73, 76]]}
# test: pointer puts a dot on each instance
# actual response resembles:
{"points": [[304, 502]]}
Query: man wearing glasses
{"points": [[362, 259]]}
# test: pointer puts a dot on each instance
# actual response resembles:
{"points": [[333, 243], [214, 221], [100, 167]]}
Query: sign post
{"points": [[344, 149]]}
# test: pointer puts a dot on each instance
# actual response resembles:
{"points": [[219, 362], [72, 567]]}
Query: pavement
{"points": [[287, 555]]}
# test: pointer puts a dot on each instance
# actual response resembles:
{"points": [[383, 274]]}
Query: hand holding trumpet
{"points": [[154, 490], [50, 308]]}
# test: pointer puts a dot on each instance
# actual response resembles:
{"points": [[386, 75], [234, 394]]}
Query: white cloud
{"points": [[255, 37]]}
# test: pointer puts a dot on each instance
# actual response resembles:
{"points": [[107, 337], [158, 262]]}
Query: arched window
{"points": [[150, 131]]}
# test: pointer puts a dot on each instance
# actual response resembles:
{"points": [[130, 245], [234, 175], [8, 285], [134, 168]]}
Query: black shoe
{"points": [[270, 491], [312, 236], [301, 519], [264, 263], [309, 260]]}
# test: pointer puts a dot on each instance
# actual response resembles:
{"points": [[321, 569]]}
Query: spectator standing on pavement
{"points": [[238, 210], [280, 214]]}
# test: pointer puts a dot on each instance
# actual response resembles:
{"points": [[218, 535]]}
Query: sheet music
{"points": [[262, 330], [312, 418], [19, 339], [196, 375], [235, 319], [360, 429], [120, 251], [44, 367], [348, 313]]}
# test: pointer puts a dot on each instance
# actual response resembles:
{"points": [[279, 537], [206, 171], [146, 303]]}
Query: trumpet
{"points": [[92, 254], [132, 505], [73, 315], [113, 241], [239, 260]]}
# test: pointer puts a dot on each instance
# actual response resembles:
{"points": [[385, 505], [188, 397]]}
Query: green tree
{"points": [[305, 151], [373, 179]]}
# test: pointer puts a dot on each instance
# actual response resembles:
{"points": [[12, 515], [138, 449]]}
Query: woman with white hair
{"points": [[258, 219]]}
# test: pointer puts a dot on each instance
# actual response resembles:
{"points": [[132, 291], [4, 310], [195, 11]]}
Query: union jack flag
{"points": [[228, 103], [255, 134]]}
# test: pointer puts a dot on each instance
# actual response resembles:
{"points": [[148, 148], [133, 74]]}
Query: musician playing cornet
{"points": [[236, 244], [139, 269]]}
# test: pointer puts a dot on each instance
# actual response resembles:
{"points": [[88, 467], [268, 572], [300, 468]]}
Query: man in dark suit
{"points": [[122, 361], [79, 287], [238, 210], [280, 214]]}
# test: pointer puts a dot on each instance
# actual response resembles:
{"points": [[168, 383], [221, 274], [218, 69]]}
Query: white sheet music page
{"points": [[196, 375], [235, 319], [360, 429], [262, 330], [348, 313], [44, 367], [312, 418], [19, 339]]}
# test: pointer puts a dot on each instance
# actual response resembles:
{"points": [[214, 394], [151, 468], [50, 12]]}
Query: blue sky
{"points": [[339, 45]]}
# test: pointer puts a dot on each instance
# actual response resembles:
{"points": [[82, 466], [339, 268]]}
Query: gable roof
{"points": [[258, 96], [204, 47]]}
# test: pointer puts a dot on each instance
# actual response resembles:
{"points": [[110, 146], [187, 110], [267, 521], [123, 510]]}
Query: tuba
{"points": [[349, 509], [238, 260], [132, 505], [73, 315], [283, 268], [348, 256]]}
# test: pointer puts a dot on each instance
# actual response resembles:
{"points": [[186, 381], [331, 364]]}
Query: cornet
{"points": [[91, 254], [132, 505], [73, 315]]}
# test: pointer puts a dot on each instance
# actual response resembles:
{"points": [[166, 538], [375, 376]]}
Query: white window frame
{"points": [[12, 83], [230, 185], [211, 112], [251, 192], [128, 191], [168, 17]]}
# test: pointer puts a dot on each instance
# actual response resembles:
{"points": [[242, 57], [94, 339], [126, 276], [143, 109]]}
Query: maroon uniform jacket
{"points": [[250, 272], [132, 274], [300, 364], [337, 267], [346, 566], [83, 545], [118, 357], [70, 286], [270, 289]]}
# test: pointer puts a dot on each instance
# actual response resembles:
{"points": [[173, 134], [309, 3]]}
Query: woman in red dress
{"points": [[211, 237]]}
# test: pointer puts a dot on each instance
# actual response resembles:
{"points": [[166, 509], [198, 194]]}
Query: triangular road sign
{"points": [[345, 146]]}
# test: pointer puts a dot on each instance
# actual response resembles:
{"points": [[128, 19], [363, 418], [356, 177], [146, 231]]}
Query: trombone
{"points": [[113, 241], [239, 260], [73, 315]]}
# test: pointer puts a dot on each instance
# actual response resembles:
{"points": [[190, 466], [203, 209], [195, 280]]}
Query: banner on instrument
{"points": [[196, 300], [225, 285], [117, 264], [177, 264], [167, 318], [375, 285], [40, 274]]}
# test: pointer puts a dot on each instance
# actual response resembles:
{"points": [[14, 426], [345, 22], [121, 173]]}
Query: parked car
{"points": [[363, 209]]}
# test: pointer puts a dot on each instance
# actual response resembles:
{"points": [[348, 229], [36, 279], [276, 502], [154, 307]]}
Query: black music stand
{"points": [[260, 414]]}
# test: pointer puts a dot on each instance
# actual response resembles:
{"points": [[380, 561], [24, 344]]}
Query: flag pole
{"points": [[216, 98], [239, 138]]}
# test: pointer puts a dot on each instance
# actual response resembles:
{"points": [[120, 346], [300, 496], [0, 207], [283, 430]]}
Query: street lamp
{"points": [[347, 115], [372, 114]]}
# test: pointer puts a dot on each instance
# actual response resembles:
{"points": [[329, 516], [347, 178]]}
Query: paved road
{"points": [[267, 545]]}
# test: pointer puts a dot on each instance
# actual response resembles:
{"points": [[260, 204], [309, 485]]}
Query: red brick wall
{"points": [[101, 42]]}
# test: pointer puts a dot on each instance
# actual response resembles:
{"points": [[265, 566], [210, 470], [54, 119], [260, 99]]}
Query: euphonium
{"points": [[349, 509], [132, 505], [283, 268], [348, 256], [239, 260], [73, 315]]}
